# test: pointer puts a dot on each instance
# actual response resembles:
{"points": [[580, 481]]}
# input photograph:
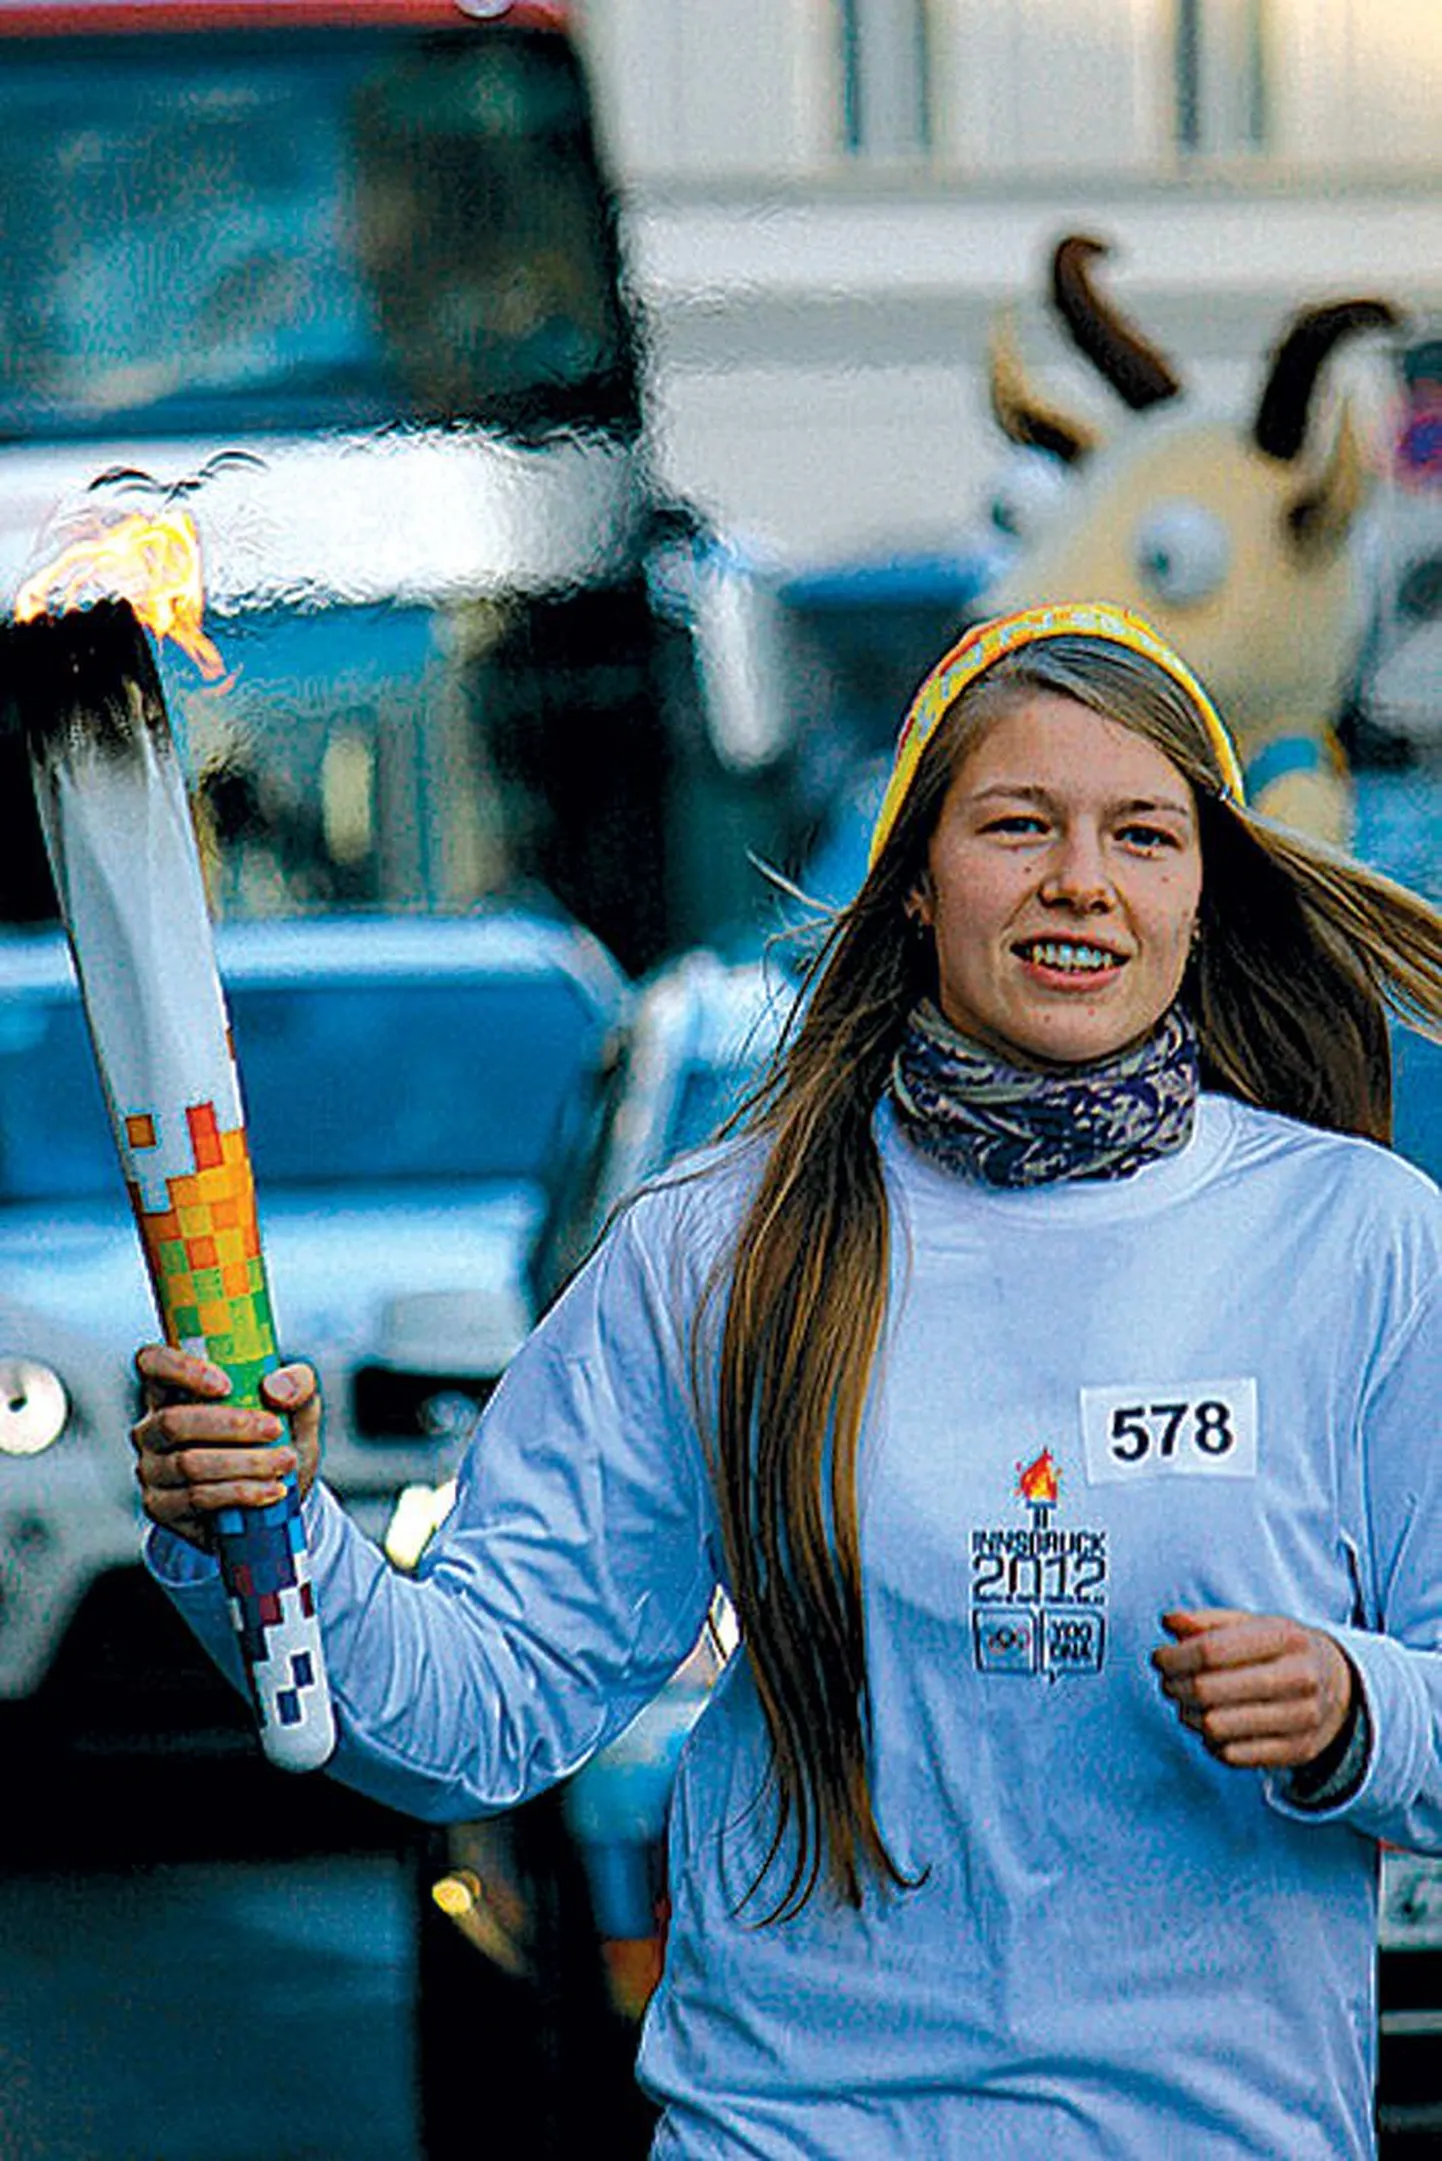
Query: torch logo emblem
{"points": [[1037, 1484], [1038, 1590]]}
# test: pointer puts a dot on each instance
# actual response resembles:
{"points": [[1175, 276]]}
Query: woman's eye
{"points": [[1016, 821], [1148, 836]]}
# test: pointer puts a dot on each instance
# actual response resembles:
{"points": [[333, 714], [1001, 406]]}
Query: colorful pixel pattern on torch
{"points": [[193, 1193], [202, 1242]]}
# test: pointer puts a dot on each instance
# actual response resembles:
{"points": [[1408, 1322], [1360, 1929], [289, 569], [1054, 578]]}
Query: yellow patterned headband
{"points": [[987, 643]]}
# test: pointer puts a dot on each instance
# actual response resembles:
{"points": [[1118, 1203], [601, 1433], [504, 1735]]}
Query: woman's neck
{"points": [[987, 1116]]}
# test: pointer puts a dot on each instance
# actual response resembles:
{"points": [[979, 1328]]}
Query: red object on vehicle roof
{"points": [[90, 18]]}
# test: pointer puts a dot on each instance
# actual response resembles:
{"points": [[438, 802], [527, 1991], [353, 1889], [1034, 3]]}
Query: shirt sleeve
{"points": [[1398, 1655], [571, 1578]]}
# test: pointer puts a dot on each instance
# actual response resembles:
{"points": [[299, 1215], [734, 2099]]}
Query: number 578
{"points": [[1143, 1429]]}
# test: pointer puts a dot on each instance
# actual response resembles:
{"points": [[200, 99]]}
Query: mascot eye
{"points": [[1025, 492], [1182, 551]]}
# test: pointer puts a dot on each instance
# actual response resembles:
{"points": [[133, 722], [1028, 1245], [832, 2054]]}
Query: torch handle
{"points": [[266, 1571], [284, 1662], [202, 1248]]}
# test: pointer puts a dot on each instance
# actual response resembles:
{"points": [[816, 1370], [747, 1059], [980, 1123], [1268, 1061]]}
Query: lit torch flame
{"points": [[152, 562], [1037, 1481]]}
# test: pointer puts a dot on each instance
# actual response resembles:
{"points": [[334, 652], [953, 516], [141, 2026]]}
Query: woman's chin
{"points": [[1067, 1039]]}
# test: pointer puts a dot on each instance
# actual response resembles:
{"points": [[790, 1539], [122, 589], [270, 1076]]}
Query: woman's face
{"points": [[1062, 884]]}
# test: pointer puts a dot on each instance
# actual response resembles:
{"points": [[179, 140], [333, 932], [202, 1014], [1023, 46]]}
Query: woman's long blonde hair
{"points": [[1300, 955]]}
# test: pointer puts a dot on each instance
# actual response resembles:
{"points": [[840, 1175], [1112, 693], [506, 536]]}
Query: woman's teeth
{"points": [[1060, 953]]}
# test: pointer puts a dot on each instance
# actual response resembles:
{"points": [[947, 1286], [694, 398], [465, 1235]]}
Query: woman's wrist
{"points": [[1334, 1775]]}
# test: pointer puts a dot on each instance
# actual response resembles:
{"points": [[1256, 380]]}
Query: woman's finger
{"points": [[1213, 1644], [182, 1425], [1277, 1680], [1258, 1722], [183, 1490], [166, 1371], [1268, 1753], [249, 1492], [198, 1470], [291, 1388], [295, 1391], [191, 1505]]}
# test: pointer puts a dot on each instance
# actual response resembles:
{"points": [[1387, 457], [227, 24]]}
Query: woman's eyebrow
{"points": [[1149, 805], [1026, 791]]}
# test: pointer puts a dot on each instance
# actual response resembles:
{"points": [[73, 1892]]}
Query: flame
{"points": [[152, 562], [1037, 1481]]}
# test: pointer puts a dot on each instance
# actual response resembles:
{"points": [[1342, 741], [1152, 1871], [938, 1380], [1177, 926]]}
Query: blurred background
{"points": [[596, 418], [827, 203]]}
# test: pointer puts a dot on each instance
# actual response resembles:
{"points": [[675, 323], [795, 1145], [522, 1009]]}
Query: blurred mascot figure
{"points": [[1233, 540]]}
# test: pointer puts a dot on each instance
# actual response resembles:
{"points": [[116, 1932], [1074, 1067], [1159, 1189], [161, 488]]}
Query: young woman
{"points": [[1049, 1370]]}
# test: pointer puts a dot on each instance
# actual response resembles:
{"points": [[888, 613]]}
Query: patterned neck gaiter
{"points": [[1006, 1126]]}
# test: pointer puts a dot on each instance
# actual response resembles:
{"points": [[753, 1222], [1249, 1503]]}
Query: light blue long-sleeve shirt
{"points": [[1215, 1383]]}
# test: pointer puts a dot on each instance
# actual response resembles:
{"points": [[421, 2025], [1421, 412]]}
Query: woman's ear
{"points": [[919, 903]]}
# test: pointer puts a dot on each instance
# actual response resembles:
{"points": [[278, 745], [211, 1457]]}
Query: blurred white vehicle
{"points": [[417, 1089]]}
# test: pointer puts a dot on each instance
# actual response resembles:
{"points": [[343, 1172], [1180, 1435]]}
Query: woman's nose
{"points": [[1077, 875]]}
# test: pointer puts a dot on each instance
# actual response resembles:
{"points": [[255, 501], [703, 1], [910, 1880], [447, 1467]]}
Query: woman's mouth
{"points": [[1073, 958]]}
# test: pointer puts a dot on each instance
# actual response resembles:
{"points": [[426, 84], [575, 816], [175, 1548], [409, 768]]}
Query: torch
{"points": [[117, 825]]}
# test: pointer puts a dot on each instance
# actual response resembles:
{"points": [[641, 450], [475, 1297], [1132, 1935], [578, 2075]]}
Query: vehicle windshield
{"points": [[707, 1096], [345, 1084], [229, 230]]}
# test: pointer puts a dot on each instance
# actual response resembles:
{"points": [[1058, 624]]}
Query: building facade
{"points": [[827, 201]]}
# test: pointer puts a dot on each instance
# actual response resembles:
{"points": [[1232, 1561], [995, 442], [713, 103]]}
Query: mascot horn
{"points": [[1233, 541]]}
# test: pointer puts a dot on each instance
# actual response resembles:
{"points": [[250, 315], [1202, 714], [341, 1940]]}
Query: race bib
{"points": [[1194, 1429]]}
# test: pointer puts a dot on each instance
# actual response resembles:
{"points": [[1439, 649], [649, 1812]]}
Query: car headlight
{"points": [[34, 1407], [418, 1514]]}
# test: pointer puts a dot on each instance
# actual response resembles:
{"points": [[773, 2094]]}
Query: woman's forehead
{"points": [[1029, 735]]}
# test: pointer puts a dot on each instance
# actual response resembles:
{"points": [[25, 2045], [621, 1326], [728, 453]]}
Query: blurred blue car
{"points": [[701, 1029]]}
